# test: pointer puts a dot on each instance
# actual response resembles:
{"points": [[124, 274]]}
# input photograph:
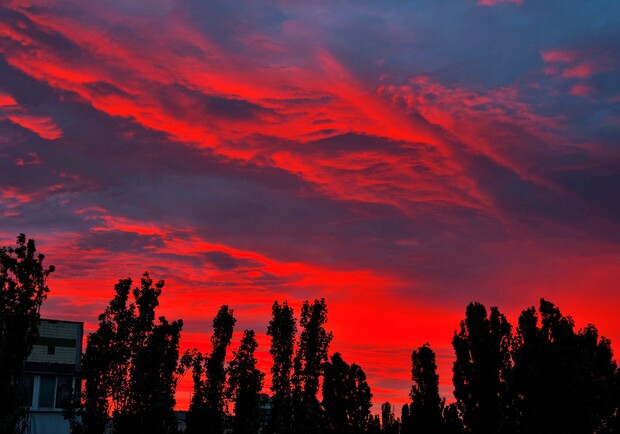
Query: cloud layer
{"points": [[400, 161]]}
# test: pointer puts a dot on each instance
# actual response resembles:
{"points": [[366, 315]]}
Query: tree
{"points": [[406, 426], [245, 385], [563, 381], [308, 366], [482, 366], [206, 412], [426, 409], [282, 329], [452, 420], [611, 422], [197, 414], [130, 363], [389, 424], [359, 412], [346, 398], [23, 289], [375, 425], [154, 379], [105, 363]]}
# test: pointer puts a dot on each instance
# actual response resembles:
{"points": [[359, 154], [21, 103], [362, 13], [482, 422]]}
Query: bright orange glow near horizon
{"points": [[398, 160]]}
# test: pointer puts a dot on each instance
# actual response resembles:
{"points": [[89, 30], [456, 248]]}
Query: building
{"points": [[52, 374]]}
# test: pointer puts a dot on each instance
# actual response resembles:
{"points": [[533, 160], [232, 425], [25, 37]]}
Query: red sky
{"points": [[400, 160]]}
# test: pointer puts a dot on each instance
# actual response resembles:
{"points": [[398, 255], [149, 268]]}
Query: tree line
{"points": [[541, 377]]}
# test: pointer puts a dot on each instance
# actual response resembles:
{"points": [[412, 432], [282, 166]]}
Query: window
{"points": [[47, 387], [51, 349], [64, 386]]}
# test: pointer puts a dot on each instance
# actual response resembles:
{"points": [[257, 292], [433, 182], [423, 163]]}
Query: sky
{"points": [[398, 158]]}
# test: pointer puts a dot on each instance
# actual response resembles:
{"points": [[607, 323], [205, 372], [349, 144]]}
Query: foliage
{"points": [[245, 385], [482, 366], [308, 366], [389, 423], [130, 366], [426, 409], [346, 398], [452, 421], [197, 414], [207, 409], [375, 425], [23, 289], [548, 378], [282, 329], [406, 426], [563, 381]]}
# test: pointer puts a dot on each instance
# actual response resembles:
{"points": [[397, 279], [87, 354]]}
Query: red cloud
{"points": [[405, 148], [7, 100], [576, 64], [560, 56], [495, 2], [44, 126]]}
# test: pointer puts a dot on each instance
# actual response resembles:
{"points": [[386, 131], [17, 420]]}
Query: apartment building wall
{"points": [[52, 375]]}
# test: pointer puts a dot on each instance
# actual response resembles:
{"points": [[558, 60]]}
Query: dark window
{"points": [[26, 386], [51, 349], [64, 386], [47, 387]]}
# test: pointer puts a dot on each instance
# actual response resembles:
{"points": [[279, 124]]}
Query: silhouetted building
{"points": [[52, 375]]}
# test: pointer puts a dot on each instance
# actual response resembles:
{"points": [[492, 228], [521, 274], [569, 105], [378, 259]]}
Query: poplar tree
{"points": [[563, 380], [197, 413], [308, 366], [23, 289], [207, 409], [405, 421], [223, 325], [245, 385], [346, 398], [481, 369], [130, 366], [282, 330], [389, 423], [426, 409]]}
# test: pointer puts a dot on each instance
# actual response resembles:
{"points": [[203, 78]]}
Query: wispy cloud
{"points": [[399, 160]]}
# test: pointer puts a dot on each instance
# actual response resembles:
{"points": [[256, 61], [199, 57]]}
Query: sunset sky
{"points": [[399, 158]]}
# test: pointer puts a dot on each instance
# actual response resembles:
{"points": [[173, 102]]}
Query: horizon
{"points": [[399, 160]]}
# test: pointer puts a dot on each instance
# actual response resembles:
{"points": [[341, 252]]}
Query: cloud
{"points": [[41, 125], [496, 2], [399, 160], [115, 241]]}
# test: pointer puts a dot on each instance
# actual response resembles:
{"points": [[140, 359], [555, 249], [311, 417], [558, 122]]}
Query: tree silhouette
{"points": [[206, 412], [245, 385], [610, 423], [482, 366], [426, 409], [375, 425], [105, 363], [405, 421], [346, 398], [130, 363], [154, 380], [197, 413], [563, 381], [452, 421], [282, 329], [548, 379], [308, 367], [389, 424], [22, 291]]}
